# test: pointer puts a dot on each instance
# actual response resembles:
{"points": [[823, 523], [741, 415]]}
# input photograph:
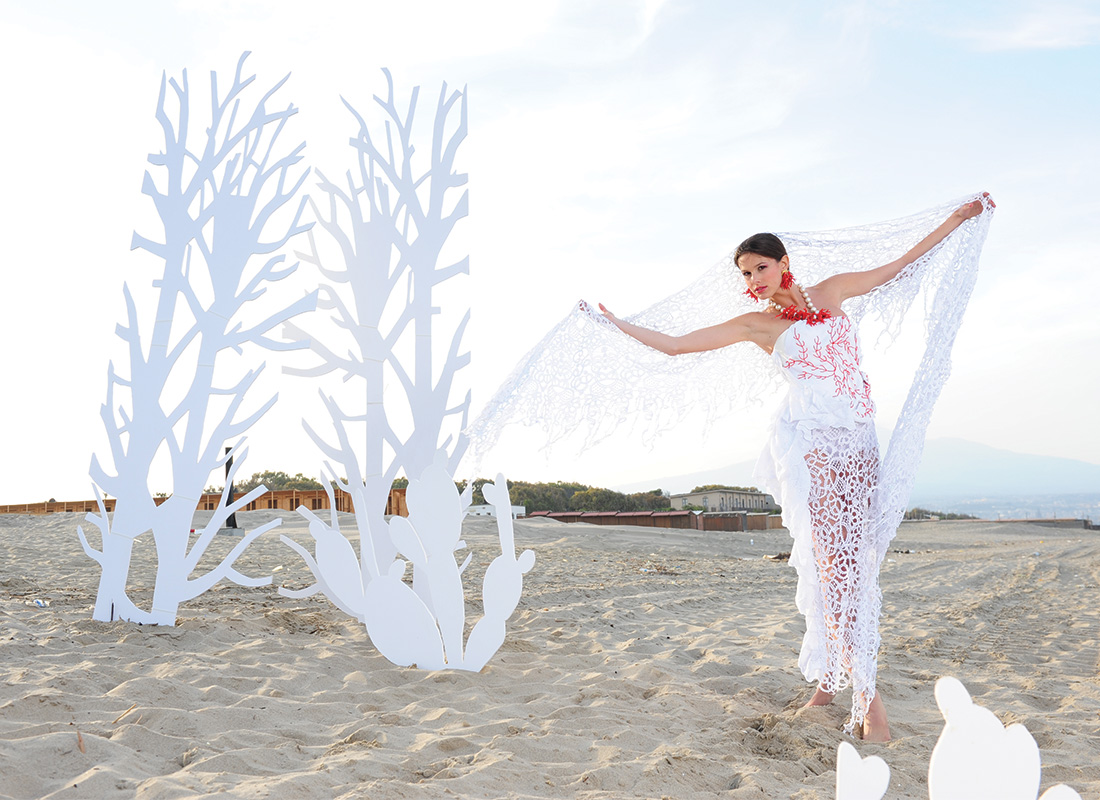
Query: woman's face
{"points": [[762, 274]]}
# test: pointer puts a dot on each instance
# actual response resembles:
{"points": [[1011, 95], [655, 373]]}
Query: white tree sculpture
{"points": [[389, 225], [218, 204], [390, 237]]}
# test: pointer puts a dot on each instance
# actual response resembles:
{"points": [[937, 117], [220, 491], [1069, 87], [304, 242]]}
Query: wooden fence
{"points": [[283, 499]]}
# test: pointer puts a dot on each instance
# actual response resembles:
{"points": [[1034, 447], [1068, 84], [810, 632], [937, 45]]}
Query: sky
{"points": [[615, 151]]}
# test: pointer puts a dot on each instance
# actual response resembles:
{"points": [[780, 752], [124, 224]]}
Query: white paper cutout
{"points": [[860, 778], [217, 203], [977, 757], [422, 624], [389, 226], [503, 582], [1060, 792]]}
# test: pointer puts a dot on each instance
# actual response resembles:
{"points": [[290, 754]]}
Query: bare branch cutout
{"points": [[382, 243], [238, 176]]}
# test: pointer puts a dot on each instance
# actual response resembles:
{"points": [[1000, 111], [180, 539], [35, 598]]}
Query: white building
{"points": [[490, 511], [726, 500]]}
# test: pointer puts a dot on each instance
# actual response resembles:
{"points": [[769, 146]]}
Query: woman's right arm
{"points": [[725, 333]]}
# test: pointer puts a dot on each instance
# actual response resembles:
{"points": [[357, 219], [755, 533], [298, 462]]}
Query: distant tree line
{"points": [[564, 496], [558, 496], [568, 496], [274, 481], [924, 513]]}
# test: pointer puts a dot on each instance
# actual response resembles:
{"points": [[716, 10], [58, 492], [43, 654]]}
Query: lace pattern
{"points": [[843, 470]]}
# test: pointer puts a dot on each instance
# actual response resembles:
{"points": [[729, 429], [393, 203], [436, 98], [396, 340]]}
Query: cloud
{"points": [[1054, 26]]}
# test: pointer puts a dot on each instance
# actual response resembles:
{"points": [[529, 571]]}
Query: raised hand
{"points": [[974, 208]]}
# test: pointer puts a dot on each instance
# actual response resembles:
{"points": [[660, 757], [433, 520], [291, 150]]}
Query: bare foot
{"points": [[820, 698], [875, 726]]}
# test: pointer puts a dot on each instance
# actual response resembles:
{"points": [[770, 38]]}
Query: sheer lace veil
{"points": [[585, 375]]}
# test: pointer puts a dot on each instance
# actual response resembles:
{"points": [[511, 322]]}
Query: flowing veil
{"points": [[586, 376]]}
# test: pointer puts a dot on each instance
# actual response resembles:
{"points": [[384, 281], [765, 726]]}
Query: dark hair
{"points": [[760, 244]]}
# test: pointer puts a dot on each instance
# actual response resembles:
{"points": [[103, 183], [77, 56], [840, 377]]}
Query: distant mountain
{"points": [[950, 468], [958, 467]]}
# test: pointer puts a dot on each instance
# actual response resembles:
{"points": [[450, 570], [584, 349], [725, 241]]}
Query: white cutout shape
{"points": [[503, 582], [221, 205], [976, 757], [423, 624], [386, 233], [860, 778]]}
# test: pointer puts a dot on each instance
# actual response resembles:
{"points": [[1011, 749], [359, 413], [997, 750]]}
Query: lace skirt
{"points": [[826, 481]]}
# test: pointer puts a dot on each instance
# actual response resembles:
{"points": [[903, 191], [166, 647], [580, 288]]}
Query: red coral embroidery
{"points": [[837, 358]]}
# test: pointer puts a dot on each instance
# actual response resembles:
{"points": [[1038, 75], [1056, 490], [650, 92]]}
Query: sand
{"points": [[640, 663]]}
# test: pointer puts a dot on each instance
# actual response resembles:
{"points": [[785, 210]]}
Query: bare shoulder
{"points": [[757, 320], [754, 324], [762, 328], [830, 292], [831, 287]]}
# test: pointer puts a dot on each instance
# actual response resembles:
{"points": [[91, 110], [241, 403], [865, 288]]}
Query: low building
{"points": [[491, 511], [281, 499], [718, 500]]}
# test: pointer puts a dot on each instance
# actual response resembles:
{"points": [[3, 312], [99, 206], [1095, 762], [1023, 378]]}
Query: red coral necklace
{"points": [[804, 314], [809, 314]]}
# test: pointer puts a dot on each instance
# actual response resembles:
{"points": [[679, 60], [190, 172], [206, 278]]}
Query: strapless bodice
{"points": [[821, 363]]}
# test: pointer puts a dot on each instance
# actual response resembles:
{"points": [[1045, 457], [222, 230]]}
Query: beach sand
{"points": [[640, 663]]}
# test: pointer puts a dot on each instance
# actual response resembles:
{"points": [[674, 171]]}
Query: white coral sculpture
{"points": [[422, 624], [222, 209], [398, 347], [382, 244]]}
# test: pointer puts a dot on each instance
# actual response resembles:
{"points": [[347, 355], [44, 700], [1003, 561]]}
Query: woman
{"points": [[822, 464]]}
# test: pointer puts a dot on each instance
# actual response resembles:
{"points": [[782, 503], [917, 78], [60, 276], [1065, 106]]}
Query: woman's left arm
{"points": [[853, 284]]}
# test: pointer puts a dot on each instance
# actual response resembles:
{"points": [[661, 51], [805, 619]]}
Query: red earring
{"points": [[752, 294], [787, 281]]}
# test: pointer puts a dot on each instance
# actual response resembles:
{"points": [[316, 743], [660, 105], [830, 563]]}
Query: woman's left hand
{"points": [[973, 209]]}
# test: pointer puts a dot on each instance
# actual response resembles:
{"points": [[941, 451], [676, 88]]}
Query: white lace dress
{"points": [[823, 468]]}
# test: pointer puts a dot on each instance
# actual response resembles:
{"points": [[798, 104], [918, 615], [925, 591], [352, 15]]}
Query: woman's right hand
{"points": [[605, 311]]}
